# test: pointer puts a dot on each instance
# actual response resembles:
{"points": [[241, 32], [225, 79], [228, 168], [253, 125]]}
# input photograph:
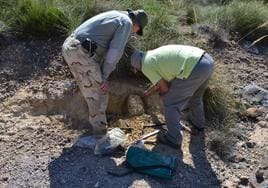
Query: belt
{"points": [[89, 45]]}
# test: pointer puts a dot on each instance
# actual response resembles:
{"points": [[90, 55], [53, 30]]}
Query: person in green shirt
{"points": [[180, 74]]}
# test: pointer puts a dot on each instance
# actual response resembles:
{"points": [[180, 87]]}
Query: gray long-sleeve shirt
{"points": [[110, 30]]}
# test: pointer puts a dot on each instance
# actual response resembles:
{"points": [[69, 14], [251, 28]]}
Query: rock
{"points": [[236, 158], [236, 166], [135, 105], [5, 179], [259, 175], [255, 94], [262, 124], [244, 180], [119, 94], [228, 184], [250, 144], [121, 123], [253, 112], [260, 178], [266, 117]]}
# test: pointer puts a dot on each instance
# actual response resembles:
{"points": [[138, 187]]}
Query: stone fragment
{"points": [[228, 184], [236, 158], [255, 95], [250, 144], [259, 175], [253, 112], [244, 180], [266, 117], [135, 105], [262, 124]]}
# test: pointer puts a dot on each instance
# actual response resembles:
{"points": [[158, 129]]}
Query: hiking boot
{"points": [[162, 138]]}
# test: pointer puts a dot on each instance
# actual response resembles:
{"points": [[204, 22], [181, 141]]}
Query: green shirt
{"points": [[169, 62]]}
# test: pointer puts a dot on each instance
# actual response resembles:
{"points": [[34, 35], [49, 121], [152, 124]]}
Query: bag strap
{"points": [[150, 167], [130, 169]]}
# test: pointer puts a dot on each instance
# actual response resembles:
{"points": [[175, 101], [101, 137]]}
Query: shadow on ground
{"points": [[77, 167], [199, 173]]}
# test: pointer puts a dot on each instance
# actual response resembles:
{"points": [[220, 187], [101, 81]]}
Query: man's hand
{"points": [[104, 86], [146, 93], [162, 87]]}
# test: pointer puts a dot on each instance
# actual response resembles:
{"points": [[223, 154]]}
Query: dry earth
{"points": [[42, 114]]}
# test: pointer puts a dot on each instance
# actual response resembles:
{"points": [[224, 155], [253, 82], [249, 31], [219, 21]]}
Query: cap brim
{"points": [[140, 32]]}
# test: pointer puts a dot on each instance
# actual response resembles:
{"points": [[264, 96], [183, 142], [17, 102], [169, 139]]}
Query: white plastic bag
{"points": [[110, 142]]}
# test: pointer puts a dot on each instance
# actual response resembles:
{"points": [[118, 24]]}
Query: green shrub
{"points": [[219, 102], [247, 16], [7, 11], [76, 13], [216, 107], [239, 16], [191, 15], [39, 18], [221, 142]]}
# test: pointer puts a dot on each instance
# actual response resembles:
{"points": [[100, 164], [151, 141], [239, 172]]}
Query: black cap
{"points": [[141, 18]]}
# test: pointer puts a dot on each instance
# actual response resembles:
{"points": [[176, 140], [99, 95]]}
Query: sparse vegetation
{"points": [[221, 142], [238, 16], [33, 17], [219, 102], [241, 16], [76, 13]]}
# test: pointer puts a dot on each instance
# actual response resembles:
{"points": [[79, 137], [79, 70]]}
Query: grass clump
{"points": [[219, 103], [221, 142], [76, 13], [160, 32], [39, 18], [247, 16], [239, 16], [191, 15]]}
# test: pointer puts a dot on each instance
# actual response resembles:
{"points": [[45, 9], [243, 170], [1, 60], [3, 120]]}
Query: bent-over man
{"points": [[92, 52], [180, 74]]}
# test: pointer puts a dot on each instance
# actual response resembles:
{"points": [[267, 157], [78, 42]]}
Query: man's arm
{"points": [[116, 48], [151, 90], [161, 87]]}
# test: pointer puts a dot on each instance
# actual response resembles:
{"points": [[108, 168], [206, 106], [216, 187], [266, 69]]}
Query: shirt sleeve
{"points": [[151, 74], [116, 48]]}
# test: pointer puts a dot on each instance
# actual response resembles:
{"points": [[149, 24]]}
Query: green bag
{"points": [[152, 163]]}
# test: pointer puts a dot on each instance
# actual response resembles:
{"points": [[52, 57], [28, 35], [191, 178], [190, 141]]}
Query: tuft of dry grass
{"points": [[219, 102], [221, 143], [34, 17]]}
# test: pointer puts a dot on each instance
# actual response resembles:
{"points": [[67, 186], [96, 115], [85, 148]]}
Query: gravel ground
{"points": [[36, 138]]}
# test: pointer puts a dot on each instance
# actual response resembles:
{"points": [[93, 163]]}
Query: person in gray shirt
{"points": [[92, 52]]}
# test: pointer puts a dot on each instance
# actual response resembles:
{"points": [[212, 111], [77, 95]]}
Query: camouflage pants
{"points": [[87, 72]]}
